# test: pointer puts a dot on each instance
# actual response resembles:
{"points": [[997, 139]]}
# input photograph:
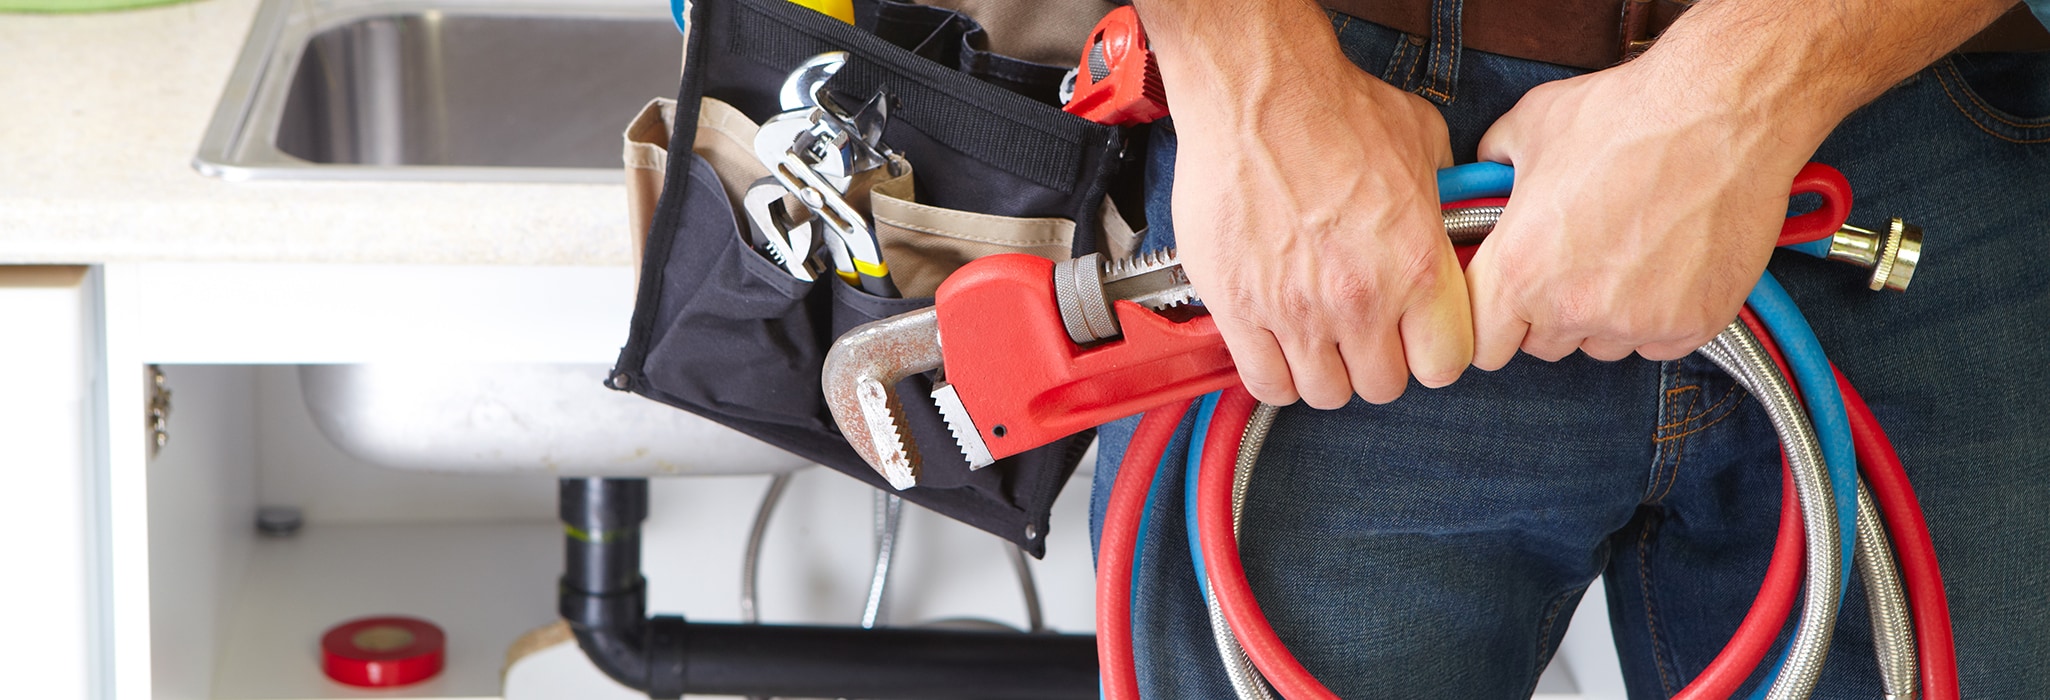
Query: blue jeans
{"points": [[1436, 547]]}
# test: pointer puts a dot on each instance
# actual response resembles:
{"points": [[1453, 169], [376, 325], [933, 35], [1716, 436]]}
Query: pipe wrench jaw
{"points": [[860, 378], [966, 435], [1015, 379]]}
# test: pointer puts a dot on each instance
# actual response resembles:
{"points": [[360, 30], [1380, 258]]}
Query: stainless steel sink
{"points": [[533, 419], [497, 90]]}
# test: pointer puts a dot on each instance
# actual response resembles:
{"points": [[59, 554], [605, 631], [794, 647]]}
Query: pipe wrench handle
{"points": [[1023, 383]]}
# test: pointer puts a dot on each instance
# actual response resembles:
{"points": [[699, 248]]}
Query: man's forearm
{"points": [[1232, 55], [1803, 66]]}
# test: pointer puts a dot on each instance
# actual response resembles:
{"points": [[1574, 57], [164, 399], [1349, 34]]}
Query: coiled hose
{"points": [[1750, 360]]}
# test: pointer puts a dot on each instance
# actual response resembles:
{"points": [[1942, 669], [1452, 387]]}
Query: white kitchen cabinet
{"points": [[48, 340], [180, 598], [200, 606], [203, 607]]}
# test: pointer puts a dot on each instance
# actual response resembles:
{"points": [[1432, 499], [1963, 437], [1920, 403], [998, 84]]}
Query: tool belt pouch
{"points": [[721, 331]]}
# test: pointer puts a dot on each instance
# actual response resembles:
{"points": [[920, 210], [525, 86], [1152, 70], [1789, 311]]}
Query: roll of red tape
{"points": [[381, 652]]}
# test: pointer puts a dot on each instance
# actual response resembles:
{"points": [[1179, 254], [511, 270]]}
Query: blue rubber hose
{"points": [[1145, 521], [1817, 386], [1475, 180], [1204, 409], [1811, 368], [1818, 247], [1818, 389]]}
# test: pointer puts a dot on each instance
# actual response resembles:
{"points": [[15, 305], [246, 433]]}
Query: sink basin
{"points": [[552, 420], [491, 90]]}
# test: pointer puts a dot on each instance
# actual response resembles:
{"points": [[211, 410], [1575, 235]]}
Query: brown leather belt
{"points": [[1601, 33]]}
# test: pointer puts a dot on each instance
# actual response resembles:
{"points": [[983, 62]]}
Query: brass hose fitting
{"points": [[1891, 256]]}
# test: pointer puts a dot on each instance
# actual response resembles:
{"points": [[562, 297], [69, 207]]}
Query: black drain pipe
{"points": [[604, 598]]}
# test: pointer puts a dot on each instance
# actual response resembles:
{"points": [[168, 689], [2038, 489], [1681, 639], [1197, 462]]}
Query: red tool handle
{"points": [[1025, 384], [1118, 82]]}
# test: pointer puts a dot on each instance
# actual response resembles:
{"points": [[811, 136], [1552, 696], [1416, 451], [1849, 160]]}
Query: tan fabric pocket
{"points": [[646, 154], [725, 139], [1041, 31], [924, 244]]}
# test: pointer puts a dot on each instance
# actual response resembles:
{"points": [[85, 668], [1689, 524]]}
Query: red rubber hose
{"points": [[1818, 179], [1120, 538], [1221, 554], [1915, 552], [1911, 545], [1723, 675]]}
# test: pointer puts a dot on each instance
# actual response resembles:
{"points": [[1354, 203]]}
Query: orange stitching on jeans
{"points": [[1444, 62], [1972, 116], [1438, 44], [1394, 62], [1347, 22], [1413, 63], [1651, 618], [1442, 80], [1991, 112], [1679, 456], [1696, 429], [1544, 644], [1664, 407], [1692, 415]]}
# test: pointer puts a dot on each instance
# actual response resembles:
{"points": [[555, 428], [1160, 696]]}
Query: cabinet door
{"points": [[48, 339]]}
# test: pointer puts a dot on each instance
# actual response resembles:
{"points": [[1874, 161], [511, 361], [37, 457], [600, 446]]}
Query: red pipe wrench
{"points": [[1032, 351]]}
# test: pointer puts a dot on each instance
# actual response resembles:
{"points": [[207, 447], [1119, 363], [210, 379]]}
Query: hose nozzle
{"points": [[1891, 255]]}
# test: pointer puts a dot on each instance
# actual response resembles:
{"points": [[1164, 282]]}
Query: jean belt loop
{"points": [[1447, 20]]}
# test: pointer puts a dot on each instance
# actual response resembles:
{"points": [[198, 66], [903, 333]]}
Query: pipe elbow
{"points": [[620, 654]]}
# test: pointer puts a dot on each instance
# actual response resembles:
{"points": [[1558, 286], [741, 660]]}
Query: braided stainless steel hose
{"points": [[1246, 682], [1893, 629], [1035, 619], [1468, 225], [889, 519], [750, 565], [1739, 354]]}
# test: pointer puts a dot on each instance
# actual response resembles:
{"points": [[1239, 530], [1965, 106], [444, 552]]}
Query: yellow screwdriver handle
{"points": [[842, 10]]}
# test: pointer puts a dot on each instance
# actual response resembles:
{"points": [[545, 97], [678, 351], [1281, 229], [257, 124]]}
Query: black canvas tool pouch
{"points": [[721, 331]]}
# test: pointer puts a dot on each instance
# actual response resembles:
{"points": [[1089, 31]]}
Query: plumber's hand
{"points": [[1643, 214], [1305, 205], [1305, 208]]}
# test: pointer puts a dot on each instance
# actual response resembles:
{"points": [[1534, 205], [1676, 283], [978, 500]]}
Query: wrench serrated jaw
{"points": [[894, 456], [860, 377], [966, 434]]}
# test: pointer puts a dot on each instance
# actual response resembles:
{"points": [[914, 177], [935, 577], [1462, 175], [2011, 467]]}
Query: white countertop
{"points": [[101, 113]]}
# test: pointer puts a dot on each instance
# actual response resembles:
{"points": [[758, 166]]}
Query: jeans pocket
{"points": [[2006, 95]]}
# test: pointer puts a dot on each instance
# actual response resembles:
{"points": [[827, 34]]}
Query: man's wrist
{"points": [[1799, 68], [1233, 59]]}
